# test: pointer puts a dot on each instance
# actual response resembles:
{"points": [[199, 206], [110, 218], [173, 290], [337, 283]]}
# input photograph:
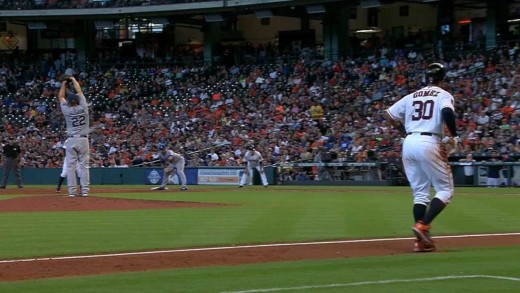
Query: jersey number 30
{"points": [[422, 110]]}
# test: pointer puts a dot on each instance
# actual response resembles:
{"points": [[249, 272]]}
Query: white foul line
{"points": [[440, 278], [242, 247]]}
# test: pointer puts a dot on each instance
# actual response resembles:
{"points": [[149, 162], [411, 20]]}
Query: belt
{"points": [[77, 135], [424, 133]]}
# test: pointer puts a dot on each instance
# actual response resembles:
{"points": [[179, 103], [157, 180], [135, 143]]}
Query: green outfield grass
{"points": [[276, 214], [467, 270]]}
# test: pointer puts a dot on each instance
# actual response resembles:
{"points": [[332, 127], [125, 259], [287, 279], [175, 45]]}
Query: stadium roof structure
{"points": [[195, 14], [297, 8]]}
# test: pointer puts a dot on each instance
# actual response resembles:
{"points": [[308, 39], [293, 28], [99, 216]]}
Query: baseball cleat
{"points": [[240, 186], [58, 190], [418, 246], [422, 232], [184, 188], [159, 188]]}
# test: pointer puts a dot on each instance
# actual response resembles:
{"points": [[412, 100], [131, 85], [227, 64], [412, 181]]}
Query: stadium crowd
{"points": [[288, 110], [74, 4]]}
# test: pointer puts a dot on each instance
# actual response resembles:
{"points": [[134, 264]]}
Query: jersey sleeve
{"points": [[397, 110], [447, 101], [82, 100]]}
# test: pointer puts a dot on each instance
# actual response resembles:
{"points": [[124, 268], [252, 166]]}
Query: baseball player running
{"points": [[171, 160], [422, 116], [77, 153], [253, 160]]}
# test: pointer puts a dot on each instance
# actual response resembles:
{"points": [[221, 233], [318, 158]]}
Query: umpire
{"points": [[11, 161]]}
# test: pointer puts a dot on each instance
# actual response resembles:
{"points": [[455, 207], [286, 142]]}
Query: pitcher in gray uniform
{"points": [[75, 110]]}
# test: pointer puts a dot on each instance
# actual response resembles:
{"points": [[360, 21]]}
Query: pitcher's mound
{"points": [[42, 203]]}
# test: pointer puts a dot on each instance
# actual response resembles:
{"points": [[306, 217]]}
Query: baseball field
{"points": [[254, 239]]}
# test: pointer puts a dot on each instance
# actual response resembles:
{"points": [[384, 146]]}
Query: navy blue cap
{"points": [[72, 98]]}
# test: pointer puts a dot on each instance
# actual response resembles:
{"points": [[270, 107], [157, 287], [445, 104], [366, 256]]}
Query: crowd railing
{"points": [[464, 174]]}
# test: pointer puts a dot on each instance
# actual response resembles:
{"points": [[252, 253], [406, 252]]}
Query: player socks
{"points": [[60, 182], [419, 210], [436, 207]]}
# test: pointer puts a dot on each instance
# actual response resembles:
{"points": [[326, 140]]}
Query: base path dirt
{"points": [[144, 261], [26, 269]]}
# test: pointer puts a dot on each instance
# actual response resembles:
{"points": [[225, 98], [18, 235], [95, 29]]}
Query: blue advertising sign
{"points": [[153, 176]]}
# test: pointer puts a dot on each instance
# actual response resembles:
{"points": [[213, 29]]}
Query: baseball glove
{"points": [[167, 170], [450, 144], [65, 77]]}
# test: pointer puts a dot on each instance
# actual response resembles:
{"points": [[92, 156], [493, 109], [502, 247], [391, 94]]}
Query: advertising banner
{"points": [[153, 176], [219, 176]]}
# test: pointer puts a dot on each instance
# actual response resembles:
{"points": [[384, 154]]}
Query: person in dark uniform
{"points": [[507, 173], [493, 174], [11, 161]]}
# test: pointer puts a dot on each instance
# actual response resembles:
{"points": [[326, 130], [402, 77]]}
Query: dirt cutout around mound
{"points": [[67, 266], [48, 203]]}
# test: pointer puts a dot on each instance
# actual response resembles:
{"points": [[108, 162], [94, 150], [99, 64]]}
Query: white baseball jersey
{"points": [[424, 158], [420, 111], [253, 158]]}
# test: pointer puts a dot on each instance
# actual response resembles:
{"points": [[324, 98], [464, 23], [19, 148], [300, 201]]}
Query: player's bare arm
{"points": [[448, 115], [76, 85], [395, 123], [78, 89], [63, 89]]}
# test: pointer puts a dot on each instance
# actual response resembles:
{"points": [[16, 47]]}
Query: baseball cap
{"points": [[72, 98], [11, 137], [162, 147]]}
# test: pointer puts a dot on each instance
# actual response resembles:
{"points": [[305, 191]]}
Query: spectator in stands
{"points": [[469, 169], [482, 118], [296, 87]]}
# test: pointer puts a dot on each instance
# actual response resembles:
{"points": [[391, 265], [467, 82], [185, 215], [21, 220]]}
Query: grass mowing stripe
{"points": [[296, 213], [484, 213], [440, 278]]}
